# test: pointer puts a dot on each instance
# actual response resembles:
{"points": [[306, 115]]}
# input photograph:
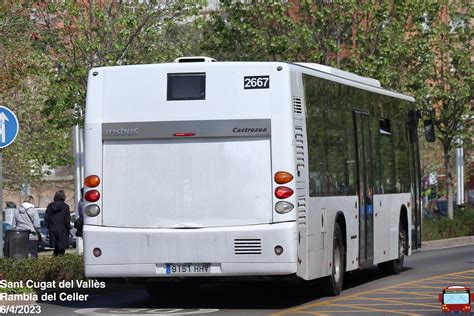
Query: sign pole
{"points": [[9, 128]]}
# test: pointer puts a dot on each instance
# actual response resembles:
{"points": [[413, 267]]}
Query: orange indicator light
{"points": [[282, 177], [92, 181]]}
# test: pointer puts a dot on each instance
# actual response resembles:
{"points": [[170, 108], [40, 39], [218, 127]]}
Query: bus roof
{"points": [[313, 69], [343, 74], [349, 78]]}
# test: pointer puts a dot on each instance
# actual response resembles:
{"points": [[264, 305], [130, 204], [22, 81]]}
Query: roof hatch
{"points": [[194, 59]]}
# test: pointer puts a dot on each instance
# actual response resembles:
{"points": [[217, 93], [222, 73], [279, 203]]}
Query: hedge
{"points": [[441, 228], [45, 268]]}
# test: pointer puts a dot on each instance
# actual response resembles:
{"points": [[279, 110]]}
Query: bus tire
{"points": [[333, 283], [395, 266]]}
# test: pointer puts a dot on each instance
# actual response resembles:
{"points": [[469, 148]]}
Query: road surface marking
{"points": [[430, 297], [144, 311]]}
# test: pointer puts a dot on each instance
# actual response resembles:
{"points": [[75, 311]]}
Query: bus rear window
{"points": [[186, 86], [456, 298]]}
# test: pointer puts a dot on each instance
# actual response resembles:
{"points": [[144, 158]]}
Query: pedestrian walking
{"points": [[58, 221], [26, 217]]}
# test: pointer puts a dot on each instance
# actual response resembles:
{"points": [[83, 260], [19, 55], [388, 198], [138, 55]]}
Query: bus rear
{"points": [[181, 161]]}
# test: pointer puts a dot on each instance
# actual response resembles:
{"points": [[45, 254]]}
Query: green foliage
{"points": [[79, 36], [24, 87], [389, 43], [252, 30], [45, 268], [46, 51], [16, 290], [277, 30], [461, 225], [447, 92]]}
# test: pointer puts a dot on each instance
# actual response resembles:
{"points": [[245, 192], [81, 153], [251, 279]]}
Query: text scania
{"points": [[121, 132], [250, 130]]}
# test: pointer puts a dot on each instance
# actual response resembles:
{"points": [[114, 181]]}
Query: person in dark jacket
{"points": [[58, 221]]}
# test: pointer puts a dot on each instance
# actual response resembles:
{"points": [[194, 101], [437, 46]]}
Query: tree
{"points": [[389, 44], [278, 30], [252, 30], [449, 80], [24, 88], [79, 36]]}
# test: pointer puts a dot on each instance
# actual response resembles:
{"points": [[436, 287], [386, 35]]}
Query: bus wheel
{"points": [[395, 266], [333, 283]]}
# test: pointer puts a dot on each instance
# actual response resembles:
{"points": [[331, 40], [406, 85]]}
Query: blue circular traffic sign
{"points": [[9, 126]]}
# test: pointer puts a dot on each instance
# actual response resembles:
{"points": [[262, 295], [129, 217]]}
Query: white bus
{"points": [[201, 169]]}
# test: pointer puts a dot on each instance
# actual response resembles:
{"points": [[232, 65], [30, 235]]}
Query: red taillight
{"points": [[184, 134], [283, 192], [282, 177], [92, 196], [92, 181]]}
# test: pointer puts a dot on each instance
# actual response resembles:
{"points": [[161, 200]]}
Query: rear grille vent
{"points": [[302, 210], [297, 105], [248, 246], [299, 148]]}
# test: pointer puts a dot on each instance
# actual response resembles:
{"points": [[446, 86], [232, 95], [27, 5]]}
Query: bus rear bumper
{"points": [[225, 251], [225, 269]]}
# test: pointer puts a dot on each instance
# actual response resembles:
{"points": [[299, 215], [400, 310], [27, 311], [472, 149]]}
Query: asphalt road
{"points": [[367, 292]]}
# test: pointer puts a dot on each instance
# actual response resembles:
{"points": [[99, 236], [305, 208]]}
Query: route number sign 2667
{"points": [[256, 82]]}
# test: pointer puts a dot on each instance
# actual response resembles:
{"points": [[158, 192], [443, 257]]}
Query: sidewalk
{"points": [[447, 243], [49, 252]]}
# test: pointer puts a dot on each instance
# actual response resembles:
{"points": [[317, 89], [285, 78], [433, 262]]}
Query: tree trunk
{"points": [[449, 181]]}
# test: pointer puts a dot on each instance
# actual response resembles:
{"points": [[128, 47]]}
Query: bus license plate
{"points": [[188, 268]]}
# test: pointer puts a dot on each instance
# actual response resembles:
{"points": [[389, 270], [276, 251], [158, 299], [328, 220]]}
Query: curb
{"points": [[447, 243]]}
